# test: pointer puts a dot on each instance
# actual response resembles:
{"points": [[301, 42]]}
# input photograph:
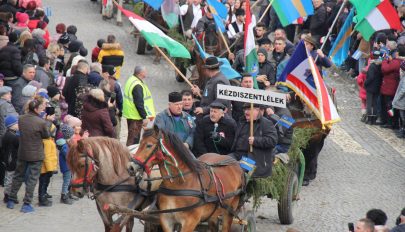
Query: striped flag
{"points": [[363, 8], [251, 61], [384, 16], [303, 77], [340, 48], [170, 12], [154, 36], [290, 10]]}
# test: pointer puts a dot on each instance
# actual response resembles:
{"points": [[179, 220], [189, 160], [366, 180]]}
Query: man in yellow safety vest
{"points": [[138, 107]]}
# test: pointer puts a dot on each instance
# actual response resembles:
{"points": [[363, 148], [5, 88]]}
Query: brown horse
{"points": [[99, 165], [193, 190]]}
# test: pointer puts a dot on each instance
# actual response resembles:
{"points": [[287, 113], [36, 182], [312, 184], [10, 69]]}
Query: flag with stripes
{"points": [[303, 77], [341, 46]]}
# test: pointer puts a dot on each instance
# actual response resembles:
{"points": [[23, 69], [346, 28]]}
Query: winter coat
{"points": [[10, 61], [275, 60], [44, 77], [399, 99], [390, 81], [6, 108], [165, 120], [9, 150], [79, 79], [209, 94], [361, 78], [267, 69], [318, 22], [115, 87], [265, 140], [374, 78], [63, 148], [112, 54], [96, 118], [50, 163], [33, 130], [204, 143], [17, 84]]}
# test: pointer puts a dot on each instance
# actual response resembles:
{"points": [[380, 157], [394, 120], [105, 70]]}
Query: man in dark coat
{"points": [[264, 140], [215, 132], [79, 79], [17, 84], [10, 59], [372, 86], [209, 95], [318, 21]]}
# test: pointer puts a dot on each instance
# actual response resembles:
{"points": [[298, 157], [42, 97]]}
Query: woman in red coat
{"points": [[390, 70], [361, 78], [95, 115]]}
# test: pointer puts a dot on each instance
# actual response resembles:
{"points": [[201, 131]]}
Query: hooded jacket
{"points": [[96, 118], [112, 54]]}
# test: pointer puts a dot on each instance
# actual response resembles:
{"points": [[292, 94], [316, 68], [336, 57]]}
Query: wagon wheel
{"points": [[141, 46], [285, 205]]}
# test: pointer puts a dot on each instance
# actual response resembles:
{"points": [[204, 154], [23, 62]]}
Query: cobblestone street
{"points": [[360, 167]]}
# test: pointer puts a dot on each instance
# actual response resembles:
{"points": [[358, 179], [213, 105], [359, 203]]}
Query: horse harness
{"points": [[202, 194]]}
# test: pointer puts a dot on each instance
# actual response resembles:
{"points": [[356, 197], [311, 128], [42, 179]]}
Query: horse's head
{"points": [[83, 167], [149, 152]]}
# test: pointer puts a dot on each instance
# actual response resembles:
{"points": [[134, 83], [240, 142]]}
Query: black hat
{"points": [[110, 69], [175, 97], [217, 105], [255, 105], [13, 37], [64, 39], [52, 91], [75, 46], [212, 63], [239, 12]]}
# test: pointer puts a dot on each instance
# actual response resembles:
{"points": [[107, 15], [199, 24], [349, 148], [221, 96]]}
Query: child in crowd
{"points": [[76, 124], [96, 50], [361, 78], [50, 164], [9, 151], [63, 147]]}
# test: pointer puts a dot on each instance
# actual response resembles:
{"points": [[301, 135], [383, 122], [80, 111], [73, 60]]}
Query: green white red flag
{"points": [[251, 61]]}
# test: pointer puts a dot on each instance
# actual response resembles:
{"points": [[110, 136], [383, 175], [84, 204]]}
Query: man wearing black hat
{"points": [[215, 132], [323, 60], [264, 140], [209, 95], [235, 30], [176, 120]]}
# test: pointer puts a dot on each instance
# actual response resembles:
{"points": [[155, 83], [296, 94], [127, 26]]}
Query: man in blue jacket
{"points": [[176, 120]]}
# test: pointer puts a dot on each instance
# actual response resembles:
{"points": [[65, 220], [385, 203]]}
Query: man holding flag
{"points": [[191, 13]]}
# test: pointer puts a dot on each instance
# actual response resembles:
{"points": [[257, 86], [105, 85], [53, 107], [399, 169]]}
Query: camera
{"points": [[350, 226]]}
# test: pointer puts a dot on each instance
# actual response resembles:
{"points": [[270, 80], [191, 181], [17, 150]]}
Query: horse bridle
{"points": [[144, 164], [87, 180]]}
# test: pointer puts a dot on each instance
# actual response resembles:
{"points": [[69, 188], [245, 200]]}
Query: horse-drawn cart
{"points": [[283, 186]]}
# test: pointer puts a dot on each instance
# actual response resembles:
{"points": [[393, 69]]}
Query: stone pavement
{"points": [[361, 167]]}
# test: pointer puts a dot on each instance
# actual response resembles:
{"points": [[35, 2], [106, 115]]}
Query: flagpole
{"points": [[317, 85], [265, 12], [173, 65], [251, 125], [181, 21], [224, 40], [331, 28]]}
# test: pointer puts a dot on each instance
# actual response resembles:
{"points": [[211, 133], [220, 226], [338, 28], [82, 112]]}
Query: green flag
{"points": [[363, 7]]}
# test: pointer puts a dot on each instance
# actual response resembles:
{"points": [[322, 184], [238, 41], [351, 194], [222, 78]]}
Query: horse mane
{"points": [[182, 151], [119, 153]]}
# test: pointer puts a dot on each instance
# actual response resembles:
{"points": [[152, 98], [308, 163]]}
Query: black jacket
{"points": [[10, 61], [9, 150], [69, 91], [267, 69], [209, 95], [374, 78], [318, 23], [204, 142], [264, 143]]}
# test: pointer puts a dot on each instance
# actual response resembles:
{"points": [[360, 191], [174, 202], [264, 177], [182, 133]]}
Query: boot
{"points": [[44, 202], [73, 197], [363, 118], [64, 199], [401, 133]]}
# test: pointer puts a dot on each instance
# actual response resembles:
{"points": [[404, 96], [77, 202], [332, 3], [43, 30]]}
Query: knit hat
{"points": [[38, 33], [175, 97], [4, 90], [97, 94], [67, 131], [10, 120], [13, 37], [44, 95], [22, 18], [29, 91], [52, 91], [75, 45], [36, 84], [263, 51], [83, 51], [72, 121], [64, 39]]}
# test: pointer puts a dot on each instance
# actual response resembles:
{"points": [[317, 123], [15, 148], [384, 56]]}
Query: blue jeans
{"points": [[67, 176]]}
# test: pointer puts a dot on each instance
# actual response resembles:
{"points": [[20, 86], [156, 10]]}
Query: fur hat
{"points": [[29, 91], [97, 94], [175, 97], [10, 120]]}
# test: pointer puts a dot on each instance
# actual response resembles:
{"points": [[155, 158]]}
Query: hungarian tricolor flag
{"points": [[384, 16], [154, 36], [251, 62]]}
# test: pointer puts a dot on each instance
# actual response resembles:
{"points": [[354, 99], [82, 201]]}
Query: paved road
{"points": [[360, 167]]}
